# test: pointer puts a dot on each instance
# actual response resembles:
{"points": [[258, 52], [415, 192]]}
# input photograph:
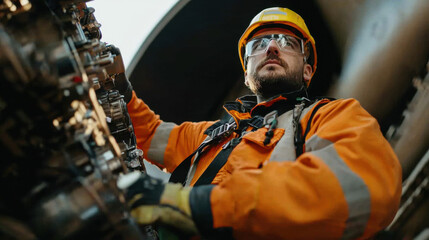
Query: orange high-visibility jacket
{"points": [[346, 184]]}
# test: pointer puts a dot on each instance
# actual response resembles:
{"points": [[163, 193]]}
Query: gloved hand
{"points": [[124, 86], [152, 201], [121, 81]]}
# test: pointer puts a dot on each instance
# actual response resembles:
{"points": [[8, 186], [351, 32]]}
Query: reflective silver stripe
{"points": [[193, 168], [274, 12], [159, 142], [354, 188], [285, 148]]}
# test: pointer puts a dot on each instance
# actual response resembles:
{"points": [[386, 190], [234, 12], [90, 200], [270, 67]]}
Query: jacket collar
{"points": [[247, 106]]}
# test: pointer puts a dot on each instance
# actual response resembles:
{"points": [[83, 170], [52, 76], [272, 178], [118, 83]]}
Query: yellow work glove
{"points": [[153, 202]]}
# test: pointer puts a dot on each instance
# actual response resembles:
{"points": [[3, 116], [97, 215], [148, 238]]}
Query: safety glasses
{"points": [[286, 43]]}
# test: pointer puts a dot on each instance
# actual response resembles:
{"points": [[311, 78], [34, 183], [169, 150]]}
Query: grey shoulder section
{"points": [[285, 148], [159, 142]]}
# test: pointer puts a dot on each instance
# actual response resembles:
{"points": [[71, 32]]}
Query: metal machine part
{"points": [[121, 127], [65, 134], [407, 134], [414, 203], [410, 140]]}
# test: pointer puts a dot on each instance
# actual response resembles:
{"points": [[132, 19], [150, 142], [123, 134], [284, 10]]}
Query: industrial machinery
{"points": [[66, 136]]}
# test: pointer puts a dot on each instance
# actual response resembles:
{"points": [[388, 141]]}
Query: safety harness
{"points": [[225, 127]]}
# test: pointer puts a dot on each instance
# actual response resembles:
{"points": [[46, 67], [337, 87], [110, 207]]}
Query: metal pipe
{"points": [[388, 46]]}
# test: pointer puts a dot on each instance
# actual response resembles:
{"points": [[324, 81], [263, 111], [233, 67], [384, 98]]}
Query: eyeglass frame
{"points": [[275, 38]]}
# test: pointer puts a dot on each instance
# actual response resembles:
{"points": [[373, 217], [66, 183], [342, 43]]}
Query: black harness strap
{"points": [[300, 139], [179, 174], [214, 167], [222, 157], [215, 133]]}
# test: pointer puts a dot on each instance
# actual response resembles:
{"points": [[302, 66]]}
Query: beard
{"points": [[273, 83]]}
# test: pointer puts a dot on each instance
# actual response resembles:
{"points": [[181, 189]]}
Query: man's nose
{"points": [[273, 48]]}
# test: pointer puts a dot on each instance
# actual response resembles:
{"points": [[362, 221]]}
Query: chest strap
{"points": [[217, 163], [218, 131], [222, 157]]}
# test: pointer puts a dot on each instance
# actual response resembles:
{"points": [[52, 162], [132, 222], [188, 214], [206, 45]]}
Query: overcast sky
{"points": [[126, 23]]}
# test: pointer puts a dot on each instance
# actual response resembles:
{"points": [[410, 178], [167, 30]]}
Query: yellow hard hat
{"points": [[274, 18]]}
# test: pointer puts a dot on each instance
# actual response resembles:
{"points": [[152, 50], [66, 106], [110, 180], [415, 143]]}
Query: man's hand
{"points": [[151, 202], [124, 86], [118, 70]]}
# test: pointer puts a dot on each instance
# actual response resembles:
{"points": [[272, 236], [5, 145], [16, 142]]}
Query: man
{"points": [[290, 169]]}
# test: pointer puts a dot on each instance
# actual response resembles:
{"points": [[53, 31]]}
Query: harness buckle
{"points": [[223, 131], [269, 118]]}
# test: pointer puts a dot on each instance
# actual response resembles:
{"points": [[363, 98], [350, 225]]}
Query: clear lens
{"points": [[285, 43]]}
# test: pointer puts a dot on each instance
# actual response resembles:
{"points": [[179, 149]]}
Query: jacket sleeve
{"points": [[346, 185], [165, 144]]}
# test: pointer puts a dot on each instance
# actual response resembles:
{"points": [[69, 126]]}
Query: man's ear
{"points": [[246, 82], [307, 72]]}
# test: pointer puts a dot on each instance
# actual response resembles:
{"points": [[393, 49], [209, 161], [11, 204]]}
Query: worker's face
{"points": [[274, 71]]}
